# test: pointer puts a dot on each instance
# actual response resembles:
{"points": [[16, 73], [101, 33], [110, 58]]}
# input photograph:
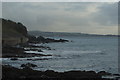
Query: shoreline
{"points": [[11, 73], [16, 52], [17, 43]]}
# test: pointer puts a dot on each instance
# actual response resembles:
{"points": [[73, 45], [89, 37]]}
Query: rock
{"points": [[11, 73], [32, 39], [41, 39], [13, 33], [62, 40], [40, 50], [103, 73], [28, 65], [49, 48], [10, 49], [29, 59], [49, 71], [44, 76], [14, 59]]}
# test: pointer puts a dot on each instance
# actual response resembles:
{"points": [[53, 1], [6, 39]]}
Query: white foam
{"points": [[111, 77], [4, 59], [36, 52]]}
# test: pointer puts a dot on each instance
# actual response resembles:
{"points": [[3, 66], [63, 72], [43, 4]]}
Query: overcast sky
{"points": [[85, 17]]}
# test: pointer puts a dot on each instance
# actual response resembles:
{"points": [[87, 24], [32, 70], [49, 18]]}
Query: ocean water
{"points": [[98, 53]]}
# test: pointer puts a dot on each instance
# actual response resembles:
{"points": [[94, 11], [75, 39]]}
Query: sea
{"points": [[85, 53]]}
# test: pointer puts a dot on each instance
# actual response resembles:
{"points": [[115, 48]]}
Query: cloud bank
{"points": [[85, 17]]}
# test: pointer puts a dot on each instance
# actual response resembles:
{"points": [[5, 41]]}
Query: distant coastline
{"points": [[47, 33]]}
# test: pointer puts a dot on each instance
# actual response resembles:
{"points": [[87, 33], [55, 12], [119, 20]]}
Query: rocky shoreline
{"points": [[19, 50], [26, 71], [41, 39], [17, 43], [12, 73], [14, 52]]}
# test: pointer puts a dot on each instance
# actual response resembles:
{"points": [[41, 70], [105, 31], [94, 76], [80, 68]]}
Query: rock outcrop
{"points": [[28, 65], [13, 33], [41, 39], [12, 73]]}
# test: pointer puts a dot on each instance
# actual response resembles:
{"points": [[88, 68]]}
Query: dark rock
{"points": [[10, 49], [49, 48], [29, 59], [32, 39], [117, 74], [44, 76], [13, 33], [49, 71], [14, 59], [40, 50], [103, 73], [28, 65], [11, 73], [62, 40], [18, 52], [41, 39], [21, 29]]}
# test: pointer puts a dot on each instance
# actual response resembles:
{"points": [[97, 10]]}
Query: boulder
{"points": [[28, 65]]}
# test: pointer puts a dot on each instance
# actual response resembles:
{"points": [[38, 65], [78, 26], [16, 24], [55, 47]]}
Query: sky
{"points": [[83, 17]]}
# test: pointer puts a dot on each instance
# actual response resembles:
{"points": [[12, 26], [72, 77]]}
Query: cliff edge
{"points": [[13, 33]]}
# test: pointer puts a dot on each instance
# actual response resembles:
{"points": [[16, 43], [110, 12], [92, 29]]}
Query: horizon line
{"points": [[76, 32]]}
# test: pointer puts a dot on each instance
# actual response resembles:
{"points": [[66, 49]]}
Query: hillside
{"points": [[13, 33]]}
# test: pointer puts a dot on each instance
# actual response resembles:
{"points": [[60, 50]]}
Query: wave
{"points": [[77, 54], [36, 52]]}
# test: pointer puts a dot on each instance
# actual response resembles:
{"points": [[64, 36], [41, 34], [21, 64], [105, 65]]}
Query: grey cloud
{"points": [[107, 15], [67, 17]]}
